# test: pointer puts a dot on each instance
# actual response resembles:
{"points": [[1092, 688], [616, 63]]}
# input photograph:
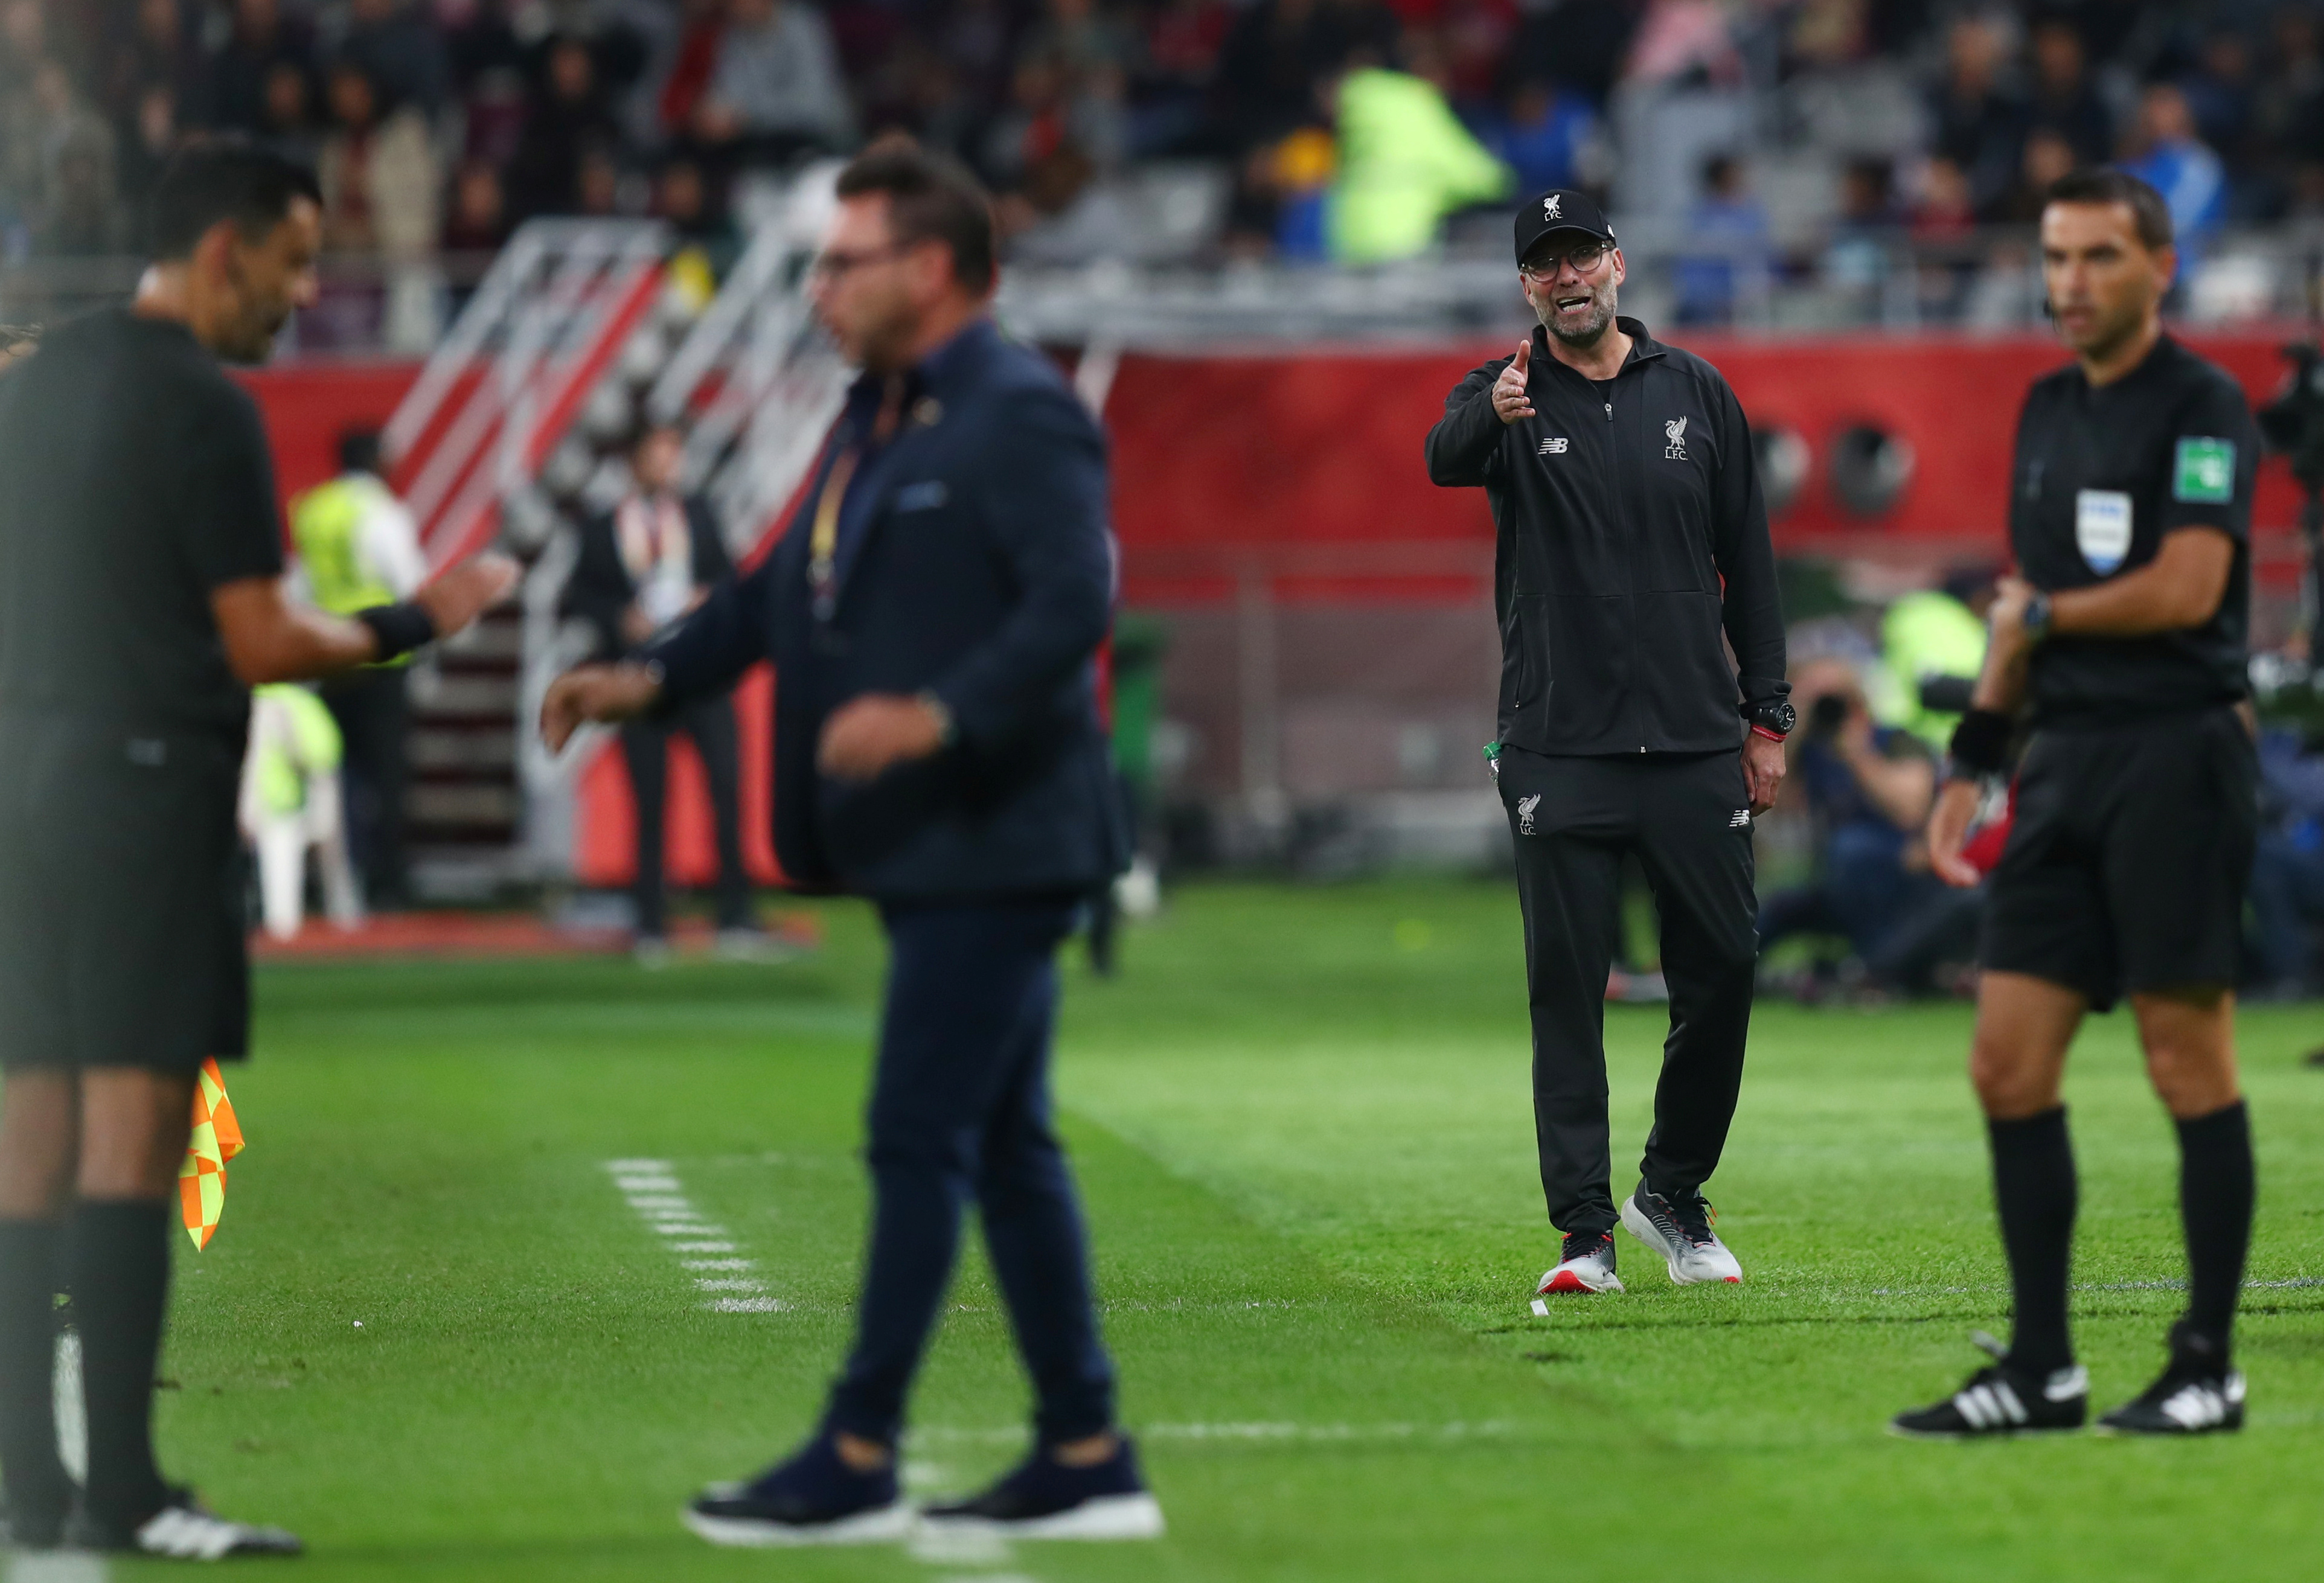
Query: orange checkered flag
{"points": [[217, 1139]]}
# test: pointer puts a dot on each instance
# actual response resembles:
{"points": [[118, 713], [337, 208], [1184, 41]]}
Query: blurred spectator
{"points": [[1577, 44], [290, 120], [478, 221], [569, 123], [2287, 106], [2169, 154], [23, 51], [401, 48], [1276, 58], [775, 91], [157, 54], [2047, 157], [260, 41], [1729, 223], [677, 73], [1178, 61], [683, 195], [1543, 136], [147, 141], [1856, 252], [2218, 93], [2287, 886], [378, 174], [1976, 122], [1869, 790], [76, 209], [2065, 102], [1405, 163]]}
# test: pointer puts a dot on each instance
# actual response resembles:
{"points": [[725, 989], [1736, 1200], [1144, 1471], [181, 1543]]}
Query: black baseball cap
{"points": [[1561, 208]]}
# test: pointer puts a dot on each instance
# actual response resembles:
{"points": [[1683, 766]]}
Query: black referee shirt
{"points": [[1630, 536], [135, 478], [2102, 474]]}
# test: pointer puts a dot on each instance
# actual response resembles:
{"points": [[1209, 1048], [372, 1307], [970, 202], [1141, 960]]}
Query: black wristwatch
{"points": [[2038, 617], [1773, 720]]}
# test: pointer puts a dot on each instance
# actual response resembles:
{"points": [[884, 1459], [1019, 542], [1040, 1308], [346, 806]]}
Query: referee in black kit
{"points": [[140, 597], [1631, 535], [2136, 809]]}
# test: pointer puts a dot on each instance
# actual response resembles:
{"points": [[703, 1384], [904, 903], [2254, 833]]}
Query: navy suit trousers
{"points": [[960, 1111]]}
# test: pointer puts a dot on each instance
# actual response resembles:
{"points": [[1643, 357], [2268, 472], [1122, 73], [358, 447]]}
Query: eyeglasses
{"points": [[1587, 256], [831, 266]]}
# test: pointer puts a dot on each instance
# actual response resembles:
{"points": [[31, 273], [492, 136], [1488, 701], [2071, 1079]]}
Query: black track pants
{"points": [[1686, 817]]}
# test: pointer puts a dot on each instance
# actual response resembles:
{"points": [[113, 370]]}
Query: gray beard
{"points": [[1593, 330]]}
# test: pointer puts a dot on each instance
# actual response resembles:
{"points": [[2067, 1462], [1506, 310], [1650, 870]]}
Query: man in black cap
{"points": [[1631, 535]]}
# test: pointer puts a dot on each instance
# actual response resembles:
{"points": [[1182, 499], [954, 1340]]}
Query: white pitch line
{"points": [[658, 1197]]}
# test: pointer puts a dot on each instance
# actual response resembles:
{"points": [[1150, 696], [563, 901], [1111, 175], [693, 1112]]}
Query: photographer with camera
{"points": [[1870, 789]]}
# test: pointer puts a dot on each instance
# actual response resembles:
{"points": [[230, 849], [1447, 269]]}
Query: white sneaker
{"points": [[1588, 1267], [1680, 1231]]}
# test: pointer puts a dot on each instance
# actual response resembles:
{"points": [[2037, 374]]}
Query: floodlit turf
{"points": [[1301, 1119]]}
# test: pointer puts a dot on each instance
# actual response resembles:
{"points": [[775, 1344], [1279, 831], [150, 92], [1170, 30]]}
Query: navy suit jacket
{"points": [[975, 562]]}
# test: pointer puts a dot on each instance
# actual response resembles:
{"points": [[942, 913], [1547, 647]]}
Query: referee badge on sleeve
{"points": [[2102, 528], [2204, 472]]}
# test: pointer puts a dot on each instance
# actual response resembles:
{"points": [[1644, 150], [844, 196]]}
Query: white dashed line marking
{"points": [[654, 1191]]}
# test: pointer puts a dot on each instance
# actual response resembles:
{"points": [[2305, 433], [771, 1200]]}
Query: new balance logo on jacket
{"points": [[1554, 445]]}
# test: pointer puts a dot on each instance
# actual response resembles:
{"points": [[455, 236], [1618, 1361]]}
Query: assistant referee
{"points": [[141, 598], [1631, 539], [2137, 807]]}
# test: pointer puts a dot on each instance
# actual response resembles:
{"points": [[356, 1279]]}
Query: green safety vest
{"points": [[1406, 161], [326, 523], [282, 779], [1924, 634]]}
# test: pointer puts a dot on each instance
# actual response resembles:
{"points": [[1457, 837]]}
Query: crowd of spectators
{"points": [[439, 124]]}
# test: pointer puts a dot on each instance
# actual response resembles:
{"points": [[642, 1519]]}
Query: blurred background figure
{"points": [[1869, 790], [290, 804], [357, 547], [775, 90], [1932, 647], [654, 557], [2287, 885], [1406, 162], [1730, 227]]}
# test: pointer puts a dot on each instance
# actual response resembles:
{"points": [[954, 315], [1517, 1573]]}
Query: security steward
{"points": [[2122, 634], [359, 547], [142, 597], [1631, 536], [933, 613]]}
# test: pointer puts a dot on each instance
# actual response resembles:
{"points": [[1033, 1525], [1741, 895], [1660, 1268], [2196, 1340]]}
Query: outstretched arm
{"points": [[268, 639], [1462, 446]]}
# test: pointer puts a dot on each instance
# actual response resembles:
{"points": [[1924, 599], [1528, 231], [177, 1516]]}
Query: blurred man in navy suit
{"points": [[934, 612]]}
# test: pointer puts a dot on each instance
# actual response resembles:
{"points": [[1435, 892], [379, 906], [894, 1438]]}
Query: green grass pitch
{"points": [[1300, 1120]]}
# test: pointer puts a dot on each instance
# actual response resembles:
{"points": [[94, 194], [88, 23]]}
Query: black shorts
{"points": [[2126, 868], [120, 897]]}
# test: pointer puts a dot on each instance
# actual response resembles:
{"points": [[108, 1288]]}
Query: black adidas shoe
{"points": [[183, 1529], [2198, 1394], [813, 1498], [1045, 1499], [2001, 1400]]}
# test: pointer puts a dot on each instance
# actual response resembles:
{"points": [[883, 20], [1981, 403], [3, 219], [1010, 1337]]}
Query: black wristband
{"points": [[398, 629], [1980, 744]]}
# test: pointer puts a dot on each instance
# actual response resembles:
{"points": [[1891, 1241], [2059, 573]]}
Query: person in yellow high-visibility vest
{"points": [[358, 548]]}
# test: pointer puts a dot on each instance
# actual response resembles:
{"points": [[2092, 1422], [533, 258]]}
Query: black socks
{"points": [[118, 1267], [2033, 1189], [2217, 1189], [30, 1277]]}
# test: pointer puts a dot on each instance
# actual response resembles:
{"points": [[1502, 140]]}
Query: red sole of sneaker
{"points": [[1567, 1281]]}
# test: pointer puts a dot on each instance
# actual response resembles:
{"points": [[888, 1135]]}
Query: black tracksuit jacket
{"points": [[1629, 532]]}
